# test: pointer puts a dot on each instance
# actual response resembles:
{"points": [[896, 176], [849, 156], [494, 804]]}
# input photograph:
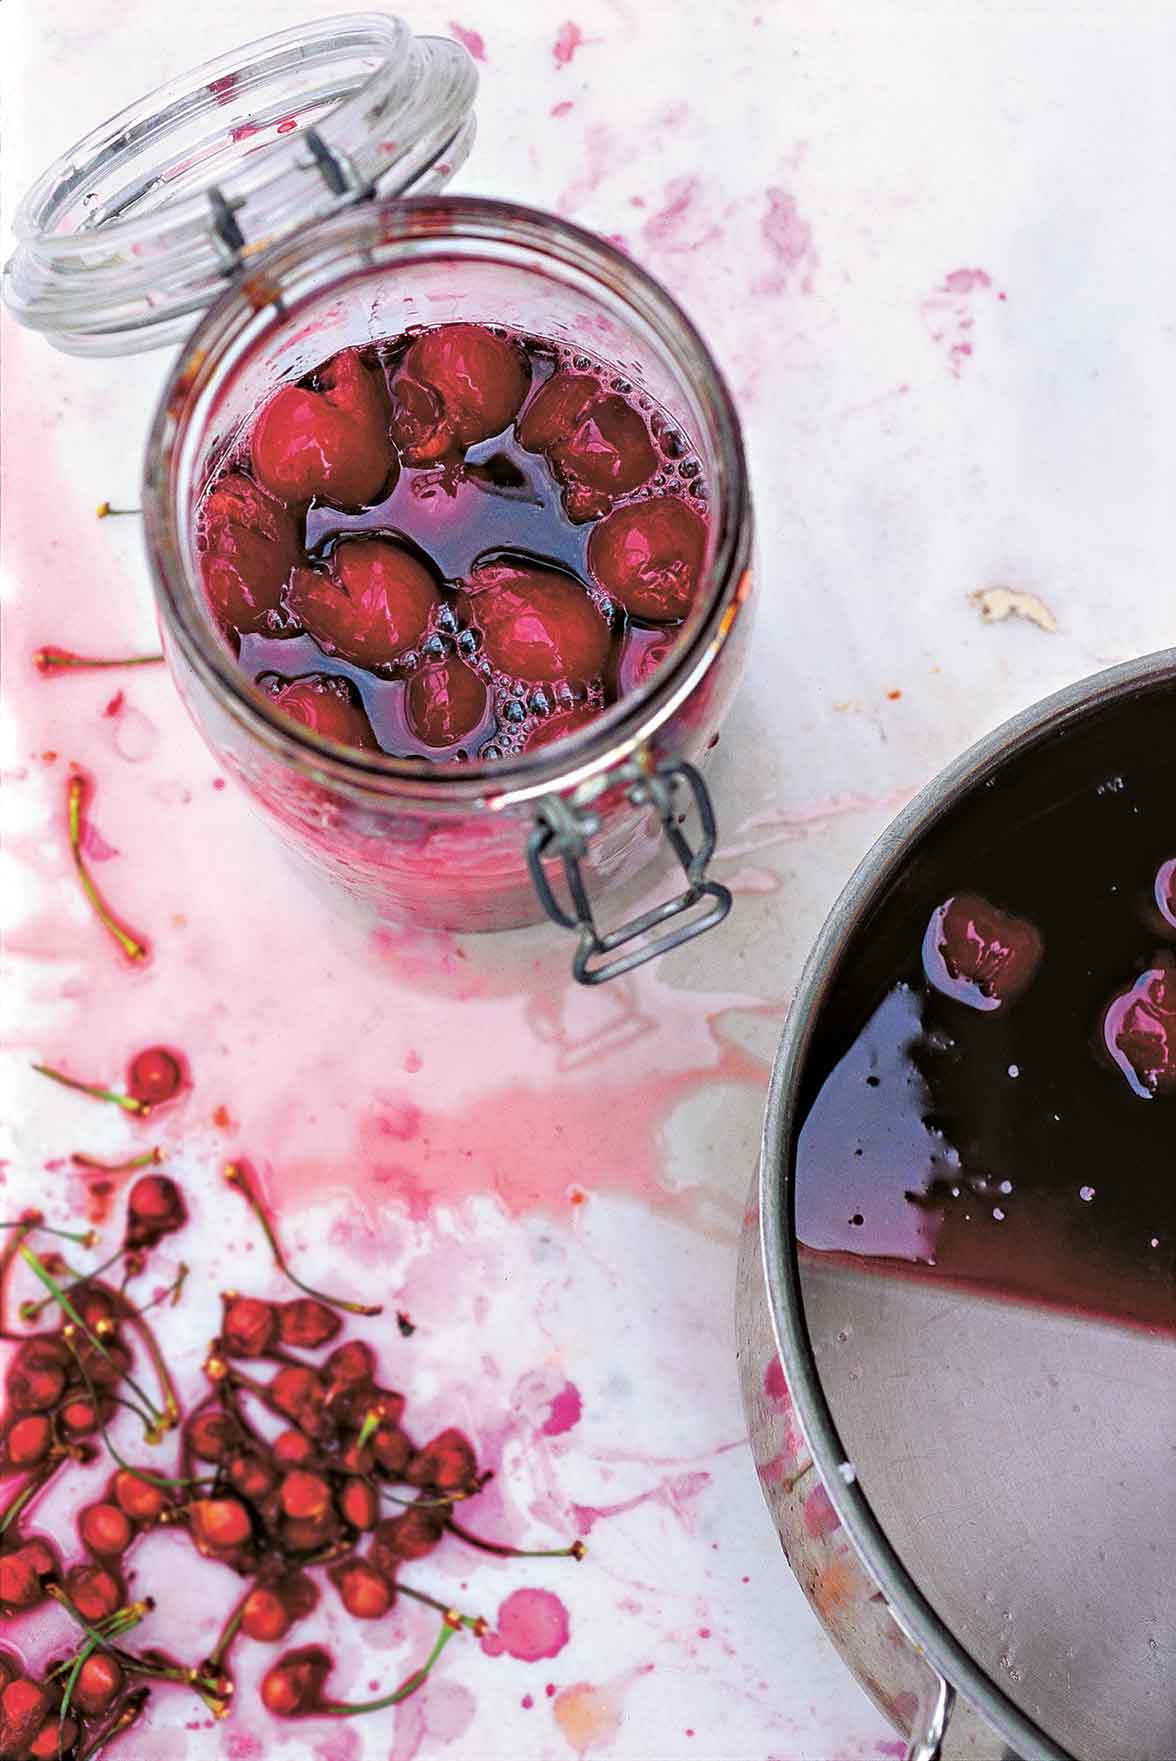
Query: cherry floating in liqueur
{"points": [[1139, 1031], [329, 441], [980, 954], [370, 606], [248, 544], [455, 386]]}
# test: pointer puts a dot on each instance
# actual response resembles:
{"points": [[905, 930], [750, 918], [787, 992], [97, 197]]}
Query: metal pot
{"points": [[1095, 1686]]}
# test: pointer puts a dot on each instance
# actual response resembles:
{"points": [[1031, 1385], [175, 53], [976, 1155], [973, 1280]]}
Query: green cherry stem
{"points": [[89, 1239], [8, 1256], [149, 1159], [410, 1684], [129, 1712], [49, 660], [577, 1549], [127, 1102], [38, 1478], [63, 1302], [135, 947], [237, 1176], [476, 1623], [229, 1631]]}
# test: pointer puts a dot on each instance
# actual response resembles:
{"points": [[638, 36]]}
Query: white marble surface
{"points": [[810, 180]]}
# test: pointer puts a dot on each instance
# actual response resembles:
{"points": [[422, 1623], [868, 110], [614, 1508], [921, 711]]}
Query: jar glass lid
{"points": [[135, 230]]}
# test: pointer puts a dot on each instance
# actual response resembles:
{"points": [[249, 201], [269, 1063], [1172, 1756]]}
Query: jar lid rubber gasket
{"points": [[133, 232]]}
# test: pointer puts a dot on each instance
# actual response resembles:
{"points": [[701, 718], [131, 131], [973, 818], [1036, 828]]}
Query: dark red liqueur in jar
{"points": [[991, 1094], [458, 543]]}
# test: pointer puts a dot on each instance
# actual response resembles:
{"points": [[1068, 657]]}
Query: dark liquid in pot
{"points": [[1006, 1148]]}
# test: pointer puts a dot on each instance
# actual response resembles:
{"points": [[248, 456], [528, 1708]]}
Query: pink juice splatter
{"points": [[531, 1624]]}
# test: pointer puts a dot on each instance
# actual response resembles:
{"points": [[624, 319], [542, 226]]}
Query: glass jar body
{"points": [[445, 846]]}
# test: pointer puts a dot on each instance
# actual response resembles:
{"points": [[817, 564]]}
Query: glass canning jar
{"points": [[277, 158]]}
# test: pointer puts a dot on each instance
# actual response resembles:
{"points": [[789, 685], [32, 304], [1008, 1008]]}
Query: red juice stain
{"points": [[472, 41], [114, 707], [676, 1493], [563, 107], [531, 1624], [527, 1702], [963, 281], [568, 39], [775, 1385], [789, 239], [820, 1518], [563, 1413]]}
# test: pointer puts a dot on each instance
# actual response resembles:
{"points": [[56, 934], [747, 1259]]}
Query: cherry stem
{"points": [[130, 1712], [237, 1177], [127, 1102], [476, 1623], [170, 1417], [112, 1625], [229, 1631], [106, 512], [445, 1500], [132, 945], [97, 1638], [410, 1684], [8, 1256], [149, 1159], [32, 1311], [89, 1239], [160, 1480], [577, 1549], [154, 1432], [38, 1478], [49, 661], [175, 1290], [371, 1424]]}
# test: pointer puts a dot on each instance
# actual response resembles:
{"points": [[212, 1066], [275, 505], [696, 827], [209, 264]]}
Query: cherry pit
{"points": [[457, 543]]}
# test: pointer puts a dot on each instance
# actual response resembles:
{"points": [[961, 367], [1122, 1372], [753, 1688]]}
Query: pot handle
{"points": [[931, 1722], [564, 830]]}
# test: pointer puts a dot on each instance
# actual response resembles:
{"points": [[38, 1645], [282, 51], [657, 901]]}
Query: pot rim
{"points": [[971, 770]]}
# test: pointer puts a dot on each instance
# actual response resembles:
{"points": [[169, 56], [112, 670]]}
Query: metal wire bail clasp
{"points": [[564, 830]]}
